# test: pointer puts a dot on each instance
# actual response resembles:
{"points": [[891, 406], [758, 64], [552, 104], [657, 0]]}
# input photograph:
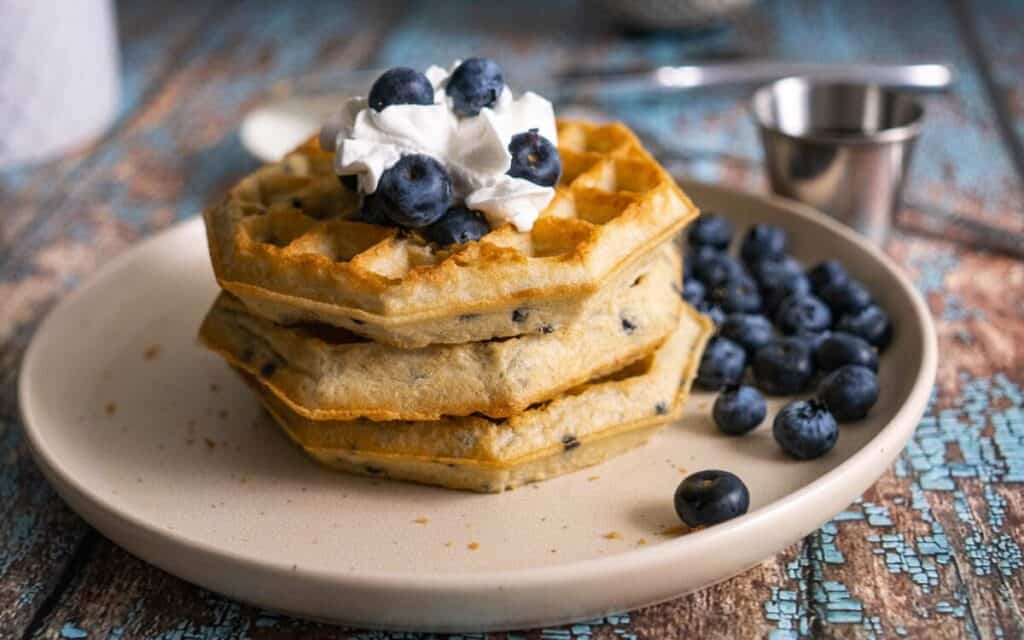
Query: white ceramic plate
{"points": [[153, 441]]}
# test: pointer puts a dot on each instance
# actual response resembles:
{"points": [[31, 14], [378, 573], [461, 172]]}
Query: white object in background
{"points": [[59, 76]]}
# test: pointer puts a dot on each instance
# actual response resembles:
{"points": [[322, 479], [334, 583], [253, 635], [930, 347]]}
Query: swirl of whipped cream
{"points": [[474, 150]]}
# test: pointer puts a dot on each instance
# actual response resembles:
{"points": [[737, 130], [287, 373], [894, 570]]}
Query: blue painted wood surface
{"points": [[932, 550]]}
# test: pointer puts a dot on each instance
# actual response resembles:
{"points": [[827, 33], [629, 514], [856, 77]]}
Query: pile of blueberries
{"points": [[416, 193], [781, 330]]}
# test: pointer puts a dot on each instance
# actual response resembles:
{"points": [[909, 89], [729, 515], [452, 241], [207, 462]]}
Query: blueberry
{"points": [[534, 158], [842, 348], [693, 291], [350, 182], [813, 338], [826, 273], [714, 269], [763, 242], [710, 230], [415, 192], [722, 364], [750, 331], [695, 255], [738, 410], [457, 226], [870, 323], [846, 296], [779, 279], [475, 84], [711, 496], [771, 270], [738, 294], [372, 214], [802, 313], [712, 311], [849, 392], [400, 85], [784, 366], [805, 429]]}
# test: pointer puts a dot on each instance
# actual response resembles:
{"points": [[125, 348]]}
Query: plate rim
{"points": [[94, 506]]}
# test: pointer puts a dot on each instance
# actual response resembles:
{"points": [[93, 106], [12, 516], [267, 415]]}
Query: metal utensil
{"points": [[843, 148], [583, 80], [750, 72]]}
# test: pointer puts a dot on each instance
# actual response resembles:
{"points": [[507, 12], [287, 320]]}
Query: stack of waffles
{"points": [[477, 366]]}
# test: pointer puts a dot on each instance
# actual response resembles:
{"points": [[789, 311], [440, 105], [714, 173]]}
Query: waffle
{"points": [[578, 429], [325, 373], [283, 240]]}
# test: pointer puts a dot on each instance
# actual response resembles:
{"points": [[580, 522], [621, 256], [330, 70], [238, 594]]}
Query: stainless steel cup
{"points": [[843, 148]]}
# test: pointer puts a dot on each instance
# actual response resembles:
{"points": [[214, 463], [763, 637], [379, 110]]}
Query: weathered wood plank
{"points": [[994, 30]]}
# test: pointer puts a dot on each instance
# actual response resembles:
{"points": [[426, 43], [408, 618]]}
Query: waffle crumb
{"points": [[682, 470], [421, 520], [110, 408], [592, 478], [210, 443], [613, 535], [473, 546], [677, 530], [222, 414], [152, 352], [214, 387], [642, 541]]}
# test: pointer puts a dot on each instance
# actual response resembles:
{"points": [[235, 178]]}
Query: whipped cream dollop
{"points": [[473, 149]]}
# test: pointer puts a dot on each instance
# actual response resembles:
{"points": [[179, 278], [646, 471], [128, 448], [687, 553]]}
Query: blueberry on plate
{"points": [[826, 273], [802, 313], [841, 348], [534, 158], [694, 255], [750, 330], [415, 192], [711, 496], [712, 311], [738, 410], [784, 366], [771, 270], [812, 338], [738, 294], [715, 269], [400, 85], [805, 429], [457, 226], [722, 364], [780, 279], [870, 323], [763, 242], [475, 84], [849, 392], [693, 291], [846, 296], [710, 230]]}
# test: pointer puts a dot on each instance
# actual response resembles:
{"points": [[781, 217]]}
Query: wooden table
{"points": [[932, 550]]}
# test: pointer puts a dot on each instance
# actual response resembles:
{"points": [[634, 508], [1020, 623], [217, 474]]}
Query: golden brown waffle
{"points": [[284, 242], [580, 428], [326, 373]]}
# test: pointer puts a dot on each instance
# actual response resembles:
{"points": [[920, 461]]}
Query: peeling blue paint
{"points": [[72, 632]]}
